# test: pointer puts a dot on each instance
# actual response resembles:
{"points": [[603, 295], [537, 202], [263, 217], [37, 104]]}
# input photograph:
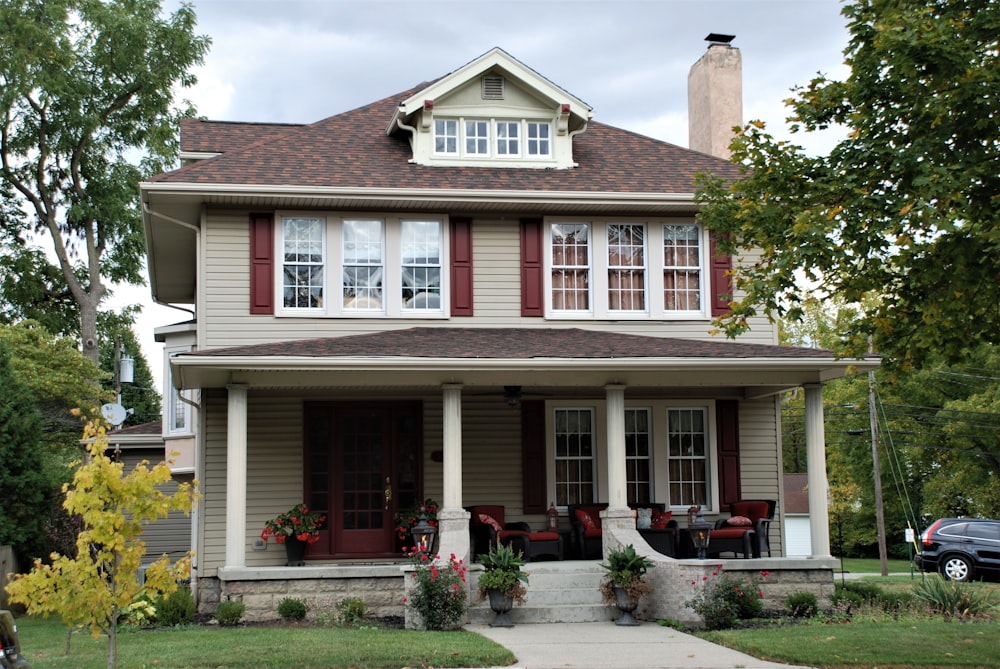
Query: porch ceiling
{"points": [[422, 359]]}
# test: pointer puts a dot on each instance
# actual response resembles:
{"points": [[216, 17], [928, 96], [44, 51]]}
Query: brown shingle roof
{"points": [[351, 150], [514, 344]]}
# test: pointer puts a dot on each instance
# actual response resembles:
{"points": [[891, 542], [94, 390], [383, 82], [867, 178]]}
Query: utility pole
{"points": [[877, 466]]}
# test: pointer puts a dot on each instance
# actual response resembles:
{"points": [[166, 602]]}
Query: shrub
{"points": [[230, 613], [801, 604], [953, 600], [351, 611], [292, 609], [177, 608], [440, 595], [727, 600], [140, 613]]}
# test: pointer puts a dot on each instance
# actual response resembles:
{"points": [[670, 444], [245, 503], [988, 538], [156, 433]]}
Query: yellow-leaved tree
{"points": [[101, 581]]}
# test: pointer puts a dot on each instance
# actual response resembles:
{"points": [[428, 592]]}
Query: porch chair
{"points": [[587, 535], [488, 528], [749, 522]]}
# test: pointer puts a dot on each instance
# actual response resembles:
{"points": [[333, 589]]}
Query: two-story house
{"points": [[471, 291]]}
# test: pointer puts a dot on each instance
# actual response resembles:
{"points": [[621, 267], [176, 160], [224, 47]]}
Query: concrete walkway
{"points": [[607, 646]]}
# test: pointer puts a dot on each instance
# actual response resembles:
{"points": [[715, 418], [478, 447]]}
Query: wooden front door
{"points": [[362, 466]]}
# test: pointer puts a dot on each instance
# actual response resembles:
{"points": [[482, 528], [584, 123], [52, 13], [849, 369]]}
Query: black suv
{"points": [[962, 549]]}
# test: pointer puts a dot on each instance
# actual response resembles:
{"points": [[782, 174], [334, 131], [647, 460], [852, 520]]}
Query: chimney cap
{"points": [[719, 38]]}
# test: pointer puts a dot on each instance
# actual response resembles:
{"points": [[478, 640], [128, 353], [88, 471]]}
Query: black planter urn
{"points": [[500, 604], [626, 605], [295, 551]]}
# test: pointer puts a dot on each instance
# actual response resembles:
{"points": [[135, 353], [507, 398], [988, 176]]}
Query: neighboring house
{"points": [[170, 535], [470, 291], [798, 538]]}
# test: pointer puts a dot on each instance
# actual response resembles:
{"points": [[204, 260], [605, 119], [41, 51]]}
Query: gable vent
{"points": [[492, 87]]}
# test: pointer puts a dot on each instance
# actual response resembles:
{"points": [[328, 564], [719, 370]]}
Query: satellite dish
{"points": [[114, 413]]}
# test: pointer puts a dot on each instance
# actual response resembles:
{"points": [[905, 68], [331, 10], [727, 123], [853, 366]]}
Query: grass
{"points": [[43, 642], [918, 643], [872, 566]]}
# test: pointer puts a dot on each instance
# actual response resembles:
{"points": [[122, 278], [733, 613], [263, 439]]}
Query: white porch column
{"points": [[819, 521], [236, 476], [452, 397], [617, 485], [617, 521], [453, 520]]}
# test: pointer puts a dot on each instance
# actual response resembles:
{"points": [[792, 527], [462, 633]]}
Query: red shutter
{"points": [[461, 266], [261, 263], [533, 456], [532, 285], [727, 420], [721, 282]]}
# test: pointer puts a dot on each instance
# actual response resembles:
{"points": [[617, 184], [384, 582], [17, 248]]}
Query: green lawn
{"points": [[914, 643], [210, 647], [872, 566]]}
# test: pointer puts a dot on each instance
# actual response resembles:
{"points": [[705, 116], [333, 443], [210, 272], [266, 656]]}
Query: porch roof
{"points": [[425, 357]]}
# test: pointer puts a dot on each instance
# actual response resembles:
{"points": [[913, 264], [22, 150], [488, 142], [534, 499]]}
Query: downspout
{"points": [[412, 129]]}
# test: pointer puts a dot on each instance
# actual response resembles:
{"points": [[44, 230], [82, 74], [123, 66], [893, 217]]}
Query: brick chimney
{"points": [[715, 97]]}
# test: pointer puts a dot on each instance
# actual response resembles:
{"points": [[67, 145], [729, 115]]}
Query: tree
{"points": [[140, 396], [26, 490], [904, 211], [84, 86], [96, 585]]}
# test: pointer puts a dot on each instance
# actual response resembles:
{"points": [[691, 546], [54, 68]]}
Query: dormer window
{"points": [[492, 138]]}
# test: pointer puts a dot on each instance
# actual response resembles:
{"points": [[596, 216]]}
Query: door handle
{"points": [[388, 492]]}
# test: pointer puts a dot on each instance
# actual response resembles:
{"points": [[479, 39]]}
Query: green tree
{"points": [[26, 490], [904, 211], [95, 586], [84, 86]]}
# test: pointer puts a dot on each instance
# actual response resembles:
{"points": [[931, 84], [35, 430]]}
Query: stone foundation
{"points": [[380, 587]]}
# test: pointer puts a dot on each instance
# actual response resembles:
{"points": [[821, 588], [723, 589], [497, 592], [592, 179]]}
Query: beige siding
{"points": [[226, 321], [760, 462]]}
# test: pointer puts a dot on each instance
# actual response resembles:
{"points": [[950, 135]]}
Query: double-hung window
{"points": [[688, 463], [374, 266], [638, 456], [304, 260], [574, 455], [363, 265], [621, 269], [682, 270]]}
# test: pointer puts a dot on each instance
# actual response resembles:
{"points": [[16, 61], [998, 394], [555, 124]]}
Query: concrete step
{"points": [[557, 592]]}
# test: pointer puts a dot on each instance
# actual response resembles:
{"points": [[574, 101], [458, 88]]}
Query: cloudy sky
{"points": [[298, 61]]}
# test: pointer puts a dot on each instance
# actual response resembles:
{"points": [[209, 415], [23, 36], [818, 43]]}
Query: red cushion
{"points": [[591, 532], [660, 519], [585, 519], [506, 534], [544, 536], [487, 519], [752, 510], [729, 533], [739, 521]]}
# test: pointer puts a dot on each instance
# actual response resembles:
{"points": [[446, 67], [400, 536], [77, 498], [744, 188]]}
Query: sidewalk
{"points": [[607, 646]]}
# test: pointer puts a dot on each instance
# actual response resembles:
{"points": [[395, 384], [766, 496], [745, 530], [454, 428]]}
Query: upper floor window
{"points": [[615, 269], [492, 138], [378, 266]]}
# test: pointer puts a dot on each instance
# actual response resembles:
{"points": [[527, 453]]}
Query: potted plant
{"points": [[502, 581], [296, 528], [625, 581]]}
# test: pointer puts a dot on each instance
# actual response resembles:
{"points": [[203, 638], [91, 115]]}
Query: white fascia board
{"points": [[417, 194], [825, 368]]}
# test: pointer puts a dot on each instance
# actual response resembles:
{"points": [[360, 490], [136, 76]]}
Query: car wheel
{"points": [[956, 568]]}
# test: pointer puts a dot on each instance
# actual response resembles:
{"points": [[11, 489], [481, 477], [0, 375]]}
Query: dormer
{"points": [[493, 112]]}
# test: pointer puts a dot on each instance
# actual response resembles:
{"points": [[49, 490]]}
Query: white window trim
{"points": [[599, 302], [392, 306], [658, 441], [170, 405]]}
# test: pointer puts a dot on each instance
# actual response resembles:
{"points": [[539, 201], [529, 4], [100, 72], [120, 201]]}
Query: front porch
{"points": [[558, 591]]}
